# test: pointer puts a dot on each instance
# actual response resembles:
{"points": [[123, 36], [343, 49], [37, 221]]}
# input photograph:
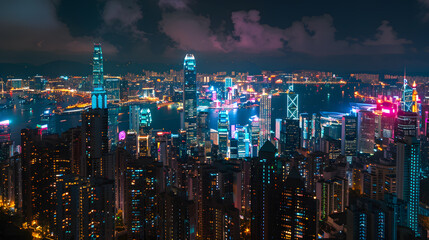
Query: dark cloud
{"points": [[174, 4], [125, 14], [36, 28]]}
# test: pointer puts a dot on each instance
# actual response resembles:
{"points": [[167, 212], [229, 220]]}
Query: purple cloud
{"points": [[190, 32], [250, 35], [311, 35]]}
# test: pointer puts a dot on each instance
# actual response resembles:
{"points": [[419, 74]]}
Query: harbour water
{"points": [[312, 99]]}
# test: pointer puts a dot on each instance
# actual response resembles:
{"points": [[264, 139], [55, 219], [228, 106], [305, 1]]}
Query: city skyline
{"points": [[135, 136]]}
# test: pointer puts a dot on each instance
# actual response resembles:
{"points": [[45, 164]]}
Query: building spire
{"points": [[405, 77]]}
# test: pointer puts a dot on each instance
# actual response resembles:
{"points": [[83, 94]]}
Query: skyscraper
{"points": [[95, 142], [408, 178], [190, 99], [407, 97], [254, 135], [223, 130], [290, 134], [265, 117], [366, 132], [97, 66], [407, 124], [95, 125], [279, 108], [348, 137], [292, 104]]}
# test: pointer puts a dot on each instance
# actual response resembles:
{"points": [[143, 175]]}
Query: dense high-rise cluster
{"points": [[243, 162]]}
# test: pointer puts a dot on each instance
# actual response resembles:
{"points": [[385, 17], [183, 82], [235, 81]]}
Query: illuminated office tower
{"points": [[425, 119], [164, 148], [190, 101], [98, 96], [223, 130], [113, 122], [265, 118], [113, 89], [134, 117], [228, 82], [254, 135], [4, 131], [305, 124], [407, 97], [297, 209], [316, 132], [228, 86], [97, 66], [416, 101], [290, 136], [233, 148], [407, 124], [242, 137], [292, 104], [145, 120], [349, 137], [6, 146], [366, 132], [202, 128], [95, 141], [38, 83], [132, 144], [408, 178]]}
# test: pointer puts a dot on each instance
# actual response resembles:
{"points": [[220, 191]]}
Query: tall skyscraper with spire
{"points": [[95, 124], [190, 99], [98, 96], [407, 97]]}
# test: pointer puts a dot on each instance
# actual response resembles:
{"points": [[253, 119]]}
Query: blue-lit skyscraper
{"points": [[95, 125], [97, 66], [254, 135], [223, 129], [407, 97], [408, 178], [98, 96], [190, 99]]}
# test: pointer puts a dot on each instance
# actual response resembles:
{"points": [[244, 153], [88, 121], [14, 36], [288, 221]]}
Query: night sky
{"points": [[246, 35]]}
